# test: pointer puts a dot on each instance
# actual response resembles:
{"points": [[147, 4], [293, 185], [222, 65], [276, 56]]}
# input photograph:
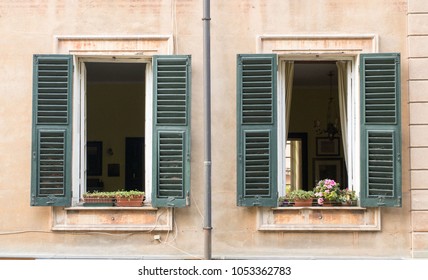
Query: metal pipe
{"points": [[207, 129]]}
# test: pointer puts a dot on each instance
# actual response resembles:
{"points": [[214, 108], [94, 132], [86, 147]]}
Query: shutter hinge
{"points": [[398, 201], [397, 59], [188, 198]]}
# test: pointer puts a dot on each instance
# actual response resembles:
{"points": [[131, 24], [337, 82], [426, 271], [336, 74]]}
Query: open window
{"points": [[313, 109], [115, 126], [353, 133], [125, 125]]}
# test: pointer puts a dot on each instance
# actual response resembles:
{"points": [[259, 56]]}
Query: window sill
{"points": [[144, 218], [319, 219]]}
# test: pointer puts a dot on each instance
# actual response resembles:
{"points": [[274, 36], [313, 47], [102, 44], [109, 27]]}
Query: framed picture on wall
{"points": [[94, 158], [328, 147], [330, 168]]}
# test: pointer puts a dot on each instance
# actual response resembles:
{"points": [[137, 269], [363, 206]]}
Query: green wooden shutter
{"points": [[51, 143], [171, 130], [257, 130], [380, 130]]}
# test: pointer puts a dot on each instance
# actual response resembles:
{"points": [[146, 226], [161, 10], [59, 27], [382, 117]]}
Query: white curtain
{"points": [[342, 78], [294, 170], [289, 74]]}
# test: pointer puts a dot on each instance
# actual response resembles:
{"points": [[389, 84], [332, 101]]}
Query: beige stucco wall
{"points": [[29, 28], [418, 86]]}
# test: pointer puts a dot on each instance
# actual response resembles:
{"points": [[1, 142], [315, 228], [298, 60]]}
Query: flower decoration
{"points": [[348, 196], [327, 189]]}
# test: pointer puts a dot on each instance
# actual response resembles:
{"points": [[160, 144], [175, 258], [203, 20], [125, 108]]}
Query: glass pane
{"points": [[293, 164]]}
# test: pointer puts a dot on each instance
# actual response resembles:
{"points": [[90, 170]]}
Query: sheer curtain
{"points": [[294, 164], [289, 74], [342, 93]]}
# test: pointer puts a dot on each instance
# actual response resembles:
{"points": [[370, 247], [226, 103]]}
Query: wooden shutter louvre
{"points": [[380, 130], [257, 131], [51, 144], [171, 145]]}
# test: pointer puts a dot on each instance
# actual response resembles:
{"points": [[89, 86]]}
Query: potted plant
{"points": [[301, 198], [98, 199], [327, 192], [283, 201], [131, 198], [348, 197]]}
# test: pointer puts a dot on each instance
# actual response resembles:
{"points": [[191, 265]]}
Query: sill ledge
{"points": [[114, 219], [319, 219]]}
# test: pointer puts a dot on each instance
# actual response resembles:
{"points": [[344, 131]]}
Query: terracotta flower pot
{"points": [[303, 202], [135, 201], [327, 203], [98, 201]]}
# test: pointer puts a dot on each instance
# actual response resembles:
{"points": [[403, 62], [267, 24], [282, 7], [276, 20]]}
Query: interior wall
{"points": [[310, 104], [115, 111]]}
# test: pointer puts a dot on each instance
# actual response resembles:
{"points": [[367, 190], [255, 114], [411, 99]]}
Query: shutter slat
{"points": [[380, 148], [49, 152], [257, 182], [256, 99], [171, 91], [52, 77], [380, 130], [381, 82], [52, 92], [257, 88], [171, 177]]}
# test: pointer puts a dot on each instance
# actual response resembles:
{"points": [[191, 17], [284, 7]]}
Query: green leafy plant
{"points": [[348, 196], [129, 194], [300, 195], [100, 194]]}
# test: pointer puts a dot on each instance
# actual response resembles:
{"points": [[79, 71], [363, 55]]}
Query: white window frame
{"points": [[79, 121], [353, 105]]}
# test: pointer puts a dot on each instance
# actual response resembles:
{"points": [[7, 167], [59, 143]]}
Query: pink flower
{"points": [[320, 200]]}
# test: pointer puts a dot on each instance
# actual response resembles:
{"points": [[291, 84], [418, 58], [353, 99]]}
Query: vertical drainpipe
{"points": [[207, 130]]}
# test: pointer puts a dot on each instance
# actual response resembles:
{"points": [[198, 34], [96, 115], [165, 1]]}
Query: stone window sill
{"points": [[144, 218], [319, 219]]}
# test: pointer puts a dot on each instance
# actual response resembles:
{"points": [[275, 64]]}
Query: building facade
{"points": [[99, 96]]}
